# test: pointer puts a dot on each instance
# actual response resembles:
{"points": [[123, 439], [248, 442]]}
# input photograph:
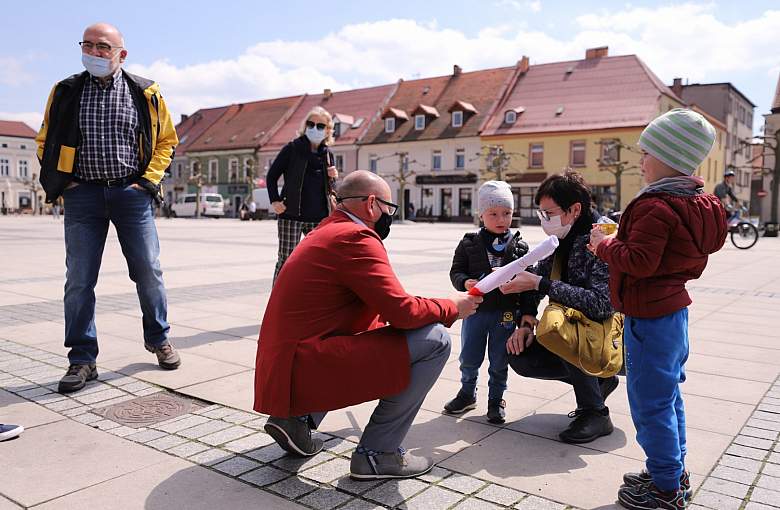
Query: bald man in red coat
{"points": [[325, 344]]}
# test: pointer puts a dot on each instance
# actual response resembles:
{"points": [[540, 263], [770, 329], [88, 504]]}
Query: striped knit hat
{"points": [[680, 138]]}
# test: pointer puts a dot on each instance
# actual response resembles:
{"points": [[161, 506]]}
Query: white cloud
{"points": [[684, 40], [525, 5], [32, 119]]}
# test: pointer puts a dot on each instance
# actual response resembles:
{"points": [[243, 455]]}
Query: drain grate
{"points": [[148, 410]]}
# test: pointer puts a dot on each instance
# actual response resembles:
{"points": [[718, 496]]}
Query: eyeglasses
{"points": [[545, 215], [88, 45], [391, 207], [320, 126]]}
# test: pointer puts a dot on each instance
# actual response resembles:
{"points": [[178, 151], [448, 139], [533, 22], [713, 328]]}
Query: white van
{"points": [[211, 204]]}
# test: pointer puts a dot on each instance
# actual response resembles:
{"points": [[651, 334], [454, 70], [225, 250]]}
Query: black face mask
{"points": [[382, 225]]}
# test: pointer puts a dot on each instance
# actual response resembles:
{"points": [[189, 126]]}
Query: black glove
{"points": [[153, 189]]}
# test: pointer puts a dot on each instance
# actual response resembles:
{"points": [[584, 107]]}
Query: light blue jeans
{"points": [[88, 210]]}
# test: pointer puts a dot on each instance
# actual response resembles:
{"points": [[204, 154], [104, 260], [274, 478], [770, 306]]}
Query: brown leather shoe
{"points": [[167, 356]]}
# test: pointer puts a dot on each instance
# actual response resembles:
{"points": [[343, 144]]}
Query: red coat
{"points": [[322, 344], [663, 241]]}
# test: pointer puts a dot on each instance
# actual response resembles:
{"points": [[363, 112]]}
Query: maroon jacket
{"points": [[663, 241]]}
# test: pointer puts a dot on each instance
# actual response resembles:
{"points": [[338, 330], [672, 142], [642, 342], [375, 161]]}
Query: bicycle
{"points": [[744, 234]]}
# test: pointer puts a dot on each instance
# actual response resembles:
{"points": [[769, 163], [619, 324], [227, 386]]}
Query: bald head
{"points": [[104, 32], [362, 183]]}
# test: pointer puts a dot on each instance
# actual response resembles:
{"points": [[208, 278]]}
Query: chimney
{"points": [[677, 87], [184, 117], [456, 70], [601, 51], [522, 64], [328, 93]]}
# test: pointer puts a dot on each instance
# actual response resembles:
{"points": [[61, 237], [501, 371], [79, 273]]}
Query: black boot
{"points": [[588, 425], [460, 404], [496, 413]]}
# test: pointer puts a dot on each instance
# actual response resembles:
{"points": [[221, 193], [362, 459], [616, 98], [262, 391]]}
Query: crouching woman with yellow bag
{"points": [[577, 284]]}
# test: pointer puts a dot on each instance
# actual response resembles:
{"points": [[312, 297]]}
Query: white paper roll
{"points": [[503, 274]]}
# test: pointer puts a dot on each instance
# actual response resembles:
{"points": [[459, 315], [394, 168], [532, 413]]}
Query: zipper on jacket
{"points": [[300, 189]]}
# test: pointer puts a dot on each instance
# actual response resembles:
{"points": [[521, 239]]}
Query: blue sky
{"points": [[213, 53]]}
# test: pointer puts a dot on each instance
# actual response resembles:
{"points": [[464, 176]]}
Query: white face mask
{"points": [[98, 67], [553, 227], [315, 135]]}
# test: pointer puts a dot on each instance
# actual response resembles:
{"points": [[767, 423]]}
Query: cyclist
{"points": [[724, 191]]}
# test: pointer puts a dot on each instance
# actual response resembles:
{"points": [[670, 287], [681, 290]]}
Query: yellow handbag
{"points": [[596, 347]]}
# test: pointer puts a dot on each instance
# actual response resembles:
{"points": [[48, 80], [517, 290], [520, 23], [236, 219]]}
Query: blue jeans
{"points": [[483, 330], [88, 210], [656, 352]]}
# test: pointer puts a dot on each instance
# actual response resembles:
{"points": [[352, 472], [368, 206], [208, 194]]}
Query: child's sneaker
{"points": [[650, 497], [460, 404], [644, 478], [496, 413]]}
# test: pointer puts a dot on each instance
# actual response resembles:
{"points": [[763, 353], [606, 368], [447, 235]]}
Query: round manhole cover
{"points": [[148, 410]]}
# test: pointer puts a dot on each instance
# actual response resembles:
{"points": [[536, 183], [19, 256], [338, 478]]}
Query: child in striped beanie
{"points": [[665, 237]]}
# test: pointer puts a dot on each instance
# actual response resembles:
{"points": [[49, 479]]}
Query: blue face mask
{"points": [[315, 136], [97, 66]]}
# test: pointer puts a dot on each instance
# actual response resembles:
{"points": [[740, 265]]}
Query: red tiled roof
{"points": [[601, 93], [195, 125], [245, 125], [477, 90], [462, 106], [356, 104], [395, 112], [16, 128], [426, 110], [776, 102]]}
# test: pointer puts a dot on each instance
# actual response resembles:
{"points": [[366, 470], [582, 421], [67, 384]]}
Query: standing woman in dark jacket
{"points": [[306, 164], [564, 203]]}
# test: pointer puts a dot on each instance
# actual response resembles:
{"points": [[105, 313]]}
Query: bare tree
{"points": [[197, 180], [402, 177], [610, 161]]}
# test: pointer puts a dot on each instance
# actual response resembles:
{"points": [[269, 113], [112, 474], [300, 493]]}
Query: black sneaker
{"points": [[644, 478], [294, 436], [76, 378], [496, 413], [588, 425], [650, 497], [460, 404], [607, 386]]}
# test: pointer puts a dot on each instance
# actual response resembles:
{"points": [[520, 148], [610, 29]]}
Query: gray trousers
{"points": [[429, 349]]}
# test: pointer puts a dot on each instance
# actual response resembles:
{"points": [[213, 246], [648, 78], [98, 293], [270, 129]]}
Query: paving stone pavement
{"points": [[218, 280]]}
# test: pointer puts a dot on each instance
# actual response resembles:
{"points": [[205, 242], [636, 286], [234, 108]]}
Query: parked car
{"points": [[211, 204]]}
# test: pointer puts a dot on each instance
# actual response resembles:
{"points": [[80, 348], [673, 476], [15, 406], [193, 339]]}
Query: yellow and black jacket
{"points": [[60, 137]]}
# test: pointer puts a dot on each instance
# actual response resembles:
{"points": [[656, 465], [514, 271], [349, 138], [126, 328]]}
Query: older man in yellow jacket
{"points": [[105, 143]]}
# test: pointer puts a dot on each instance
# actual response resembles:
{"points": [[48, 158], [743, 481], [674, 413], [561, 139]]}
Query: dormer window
{"points": [[336, 129], [390, 125], [510, 117], [419, 122], [457, 118]]}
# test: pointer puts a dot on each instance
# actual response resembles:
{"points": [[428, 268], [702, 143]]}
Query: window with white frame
{"points": [[23, 146], [390, 125], [405, 164], [457, 118], [460, 159], [536, 155], [213, 170], [609, 152], [233, 170], [336, 129], [419, 122], [5, 167], [436, 162], [247, 164], [192, 168], [179, 170], [577, 153], [339, 160], [510, 117], [373, 163], [24, 168]]}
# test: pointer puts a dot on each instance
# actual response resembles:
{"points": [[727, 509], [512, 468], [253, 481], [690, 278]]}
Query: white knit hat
{"points": [[681, 138], [495, 194]]}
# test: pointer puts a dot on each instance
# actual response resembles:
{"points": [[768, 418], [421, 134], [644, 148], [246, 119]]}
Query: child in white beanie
{"points": [[665, 236], [476, 255]]}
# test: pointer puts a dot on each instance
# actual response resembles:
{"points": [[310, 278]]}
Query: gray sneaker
{"points": [[400, 464], [293, 435], [167, 356]]}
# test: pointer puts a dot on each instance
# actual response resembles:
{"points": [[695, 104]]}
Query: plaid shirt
{"points": [[109, 125]]}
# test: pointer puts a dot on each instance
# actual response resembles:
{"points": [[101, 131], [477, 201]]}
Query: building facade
{"points": [[20, 190], [734, 110], [763, 187], [713, 167]]}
